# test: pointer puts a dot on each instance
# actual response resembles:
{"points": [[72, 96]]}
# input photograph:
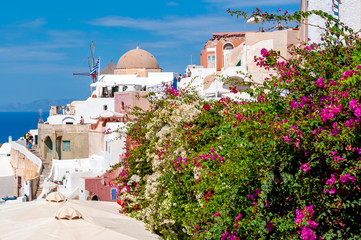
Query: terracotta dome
{"points": [[137, 58]]}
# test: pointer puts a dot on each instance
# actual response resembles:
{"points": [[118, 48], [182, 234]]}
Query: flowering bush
{"points": [[283, 167]]}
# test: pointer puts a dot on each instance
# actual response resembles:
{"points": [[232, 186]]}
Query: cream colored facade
{"points": [[142, 72], [61, 141], [26, 170], [255, 41], [241, 59]]}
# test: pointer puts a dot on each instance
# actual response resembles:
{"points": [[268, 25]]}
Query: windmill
{"points": [[94, 68]]}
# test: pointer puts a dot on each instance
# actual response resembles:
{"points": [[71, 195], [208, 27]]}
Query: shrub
{"points": [[282, 167]]}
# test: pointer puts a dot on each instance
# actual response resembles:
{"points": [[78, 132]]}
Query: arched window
{"points": [[228, 46]]}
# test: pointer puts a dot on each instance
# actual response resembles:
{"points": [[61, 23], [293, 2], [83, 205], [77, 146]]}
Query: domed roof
{"points": [[137, 58]]}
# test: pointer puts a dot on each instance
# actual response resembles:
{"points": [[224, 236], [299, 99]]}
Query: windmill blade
{"points": [[93, 52]]}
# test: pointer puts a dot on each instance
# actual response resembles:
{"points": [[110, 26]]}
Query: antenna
{"points": [[261, 20]]}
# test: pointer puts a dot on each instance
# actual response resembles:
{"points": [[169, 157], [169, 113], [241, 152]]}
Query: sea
{"points": [[17, 124]]}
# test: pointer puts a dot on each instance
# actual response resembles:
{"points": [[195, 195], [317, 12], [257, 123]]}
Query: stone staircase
{"points": [[45, 172]]}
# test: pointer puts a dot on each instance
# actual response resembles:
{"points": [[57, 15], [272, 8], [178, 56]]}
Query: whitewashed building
{"points": [[347, 11]]}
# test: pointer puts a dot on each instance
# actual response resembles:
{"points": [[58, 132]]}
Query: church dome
{"points": [[137, 58]]}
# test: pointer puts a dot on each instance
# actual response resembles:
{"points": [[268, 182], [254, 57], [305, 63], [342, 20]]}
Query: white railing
{"points": [[51, 174], [23, 150]]}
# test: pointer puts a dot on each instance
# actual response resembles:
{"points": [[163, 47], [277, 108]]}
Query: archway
{"points": [[95, 198], [48, 148], [227, 48], [58, 147]]}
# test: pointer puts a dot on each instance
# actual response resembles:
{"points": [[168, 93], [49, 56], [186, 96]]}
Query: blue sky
{"points": [[42, 43]]}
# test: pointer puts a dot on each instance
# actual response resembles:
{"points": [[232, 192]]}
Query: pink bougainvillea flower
{"points": [[216, 214], [308, 234], [353, 104], [294, 104], [270, 226], [287, 139], [357, 112], [338, 159], [347, 178], [320, 82], [265, 52], [331, 181], [238, 217], [332, 190], [305, 167]]}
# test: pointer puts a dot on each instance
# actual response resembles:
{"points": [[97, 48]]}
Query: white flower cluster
{"points": [[163, 126], [151, 187], [133, 178]]}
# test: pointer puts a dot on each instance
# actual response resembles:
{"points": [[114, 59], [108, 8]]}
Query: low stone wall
{"points": [[26, 167], [23, 166]]}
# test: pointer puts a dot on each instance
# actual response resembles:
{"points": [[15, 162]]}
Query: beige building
{"points": [[249, 45], [255, 41], [217, 49], [62, 141]]}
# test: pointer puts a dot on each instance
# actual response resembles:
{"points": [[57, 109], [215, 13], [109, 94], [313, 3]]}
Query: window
{"points": [[228, 46], [213, 58], [66, 146], [105, 107]]}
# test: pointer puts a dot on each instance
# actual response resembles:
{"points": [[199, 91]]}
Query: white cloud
{"points": [[247, 3], [186, 28], [28, 53], [51, 49], [32, 24], [65, 39], [173, 4], [160, 45]]}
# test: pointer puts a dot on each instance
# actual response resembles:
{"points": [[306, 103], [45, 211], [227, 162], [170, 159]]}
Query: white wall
{"points": [[66, 167], [5, 149], [114, 143], [91, 107], [7, 178], [154, 78], [349, 13]]}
